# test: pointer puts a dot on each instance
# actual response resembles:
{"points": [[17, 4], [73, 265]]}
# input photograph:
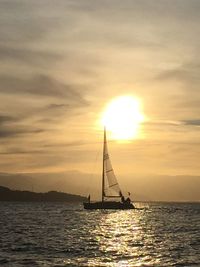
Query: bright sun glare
{"points": [[122, 117]]}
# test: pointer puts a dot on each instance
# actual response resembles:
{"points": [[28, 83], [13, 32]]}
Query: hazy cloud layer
{"points": [[41, 85], [28, 56], [14, 131], [188, 74], [192, 122], [6, 119], [63, 61]]}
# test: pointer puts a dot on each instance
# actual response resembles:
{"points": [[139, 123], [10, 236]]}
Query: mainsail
{"points": [[111, 186]]}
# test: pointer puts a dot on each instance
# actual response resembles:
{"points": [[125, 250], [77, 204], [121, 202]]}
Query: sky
{"points": [[62, 62]]}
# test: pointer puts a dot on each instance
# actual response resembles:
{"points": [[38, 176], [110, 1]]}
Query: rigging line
{"points": [[109, 170], [113, 185]]}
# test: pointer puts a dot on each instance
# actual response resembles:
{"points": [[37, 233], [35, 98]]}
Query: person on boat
{"points": [[89, 198], [122, 199], [128, 200]]}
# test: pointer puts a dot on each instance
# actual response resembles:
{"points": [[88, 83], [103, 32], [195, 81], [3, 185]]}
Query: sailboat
{"points": [[110, 187]]}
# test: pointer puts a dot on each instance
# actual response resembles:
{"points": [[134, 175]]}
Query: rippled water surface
{"points": [[59, 234]]}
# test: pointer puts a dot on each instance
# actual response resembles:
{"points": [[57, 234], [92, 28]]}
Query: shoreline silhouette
{"points": [[7, 194]]}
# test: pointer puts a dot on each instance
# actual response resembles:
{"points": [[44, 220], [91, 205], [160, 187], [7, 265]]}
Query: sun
{"points": [[122, 117]]}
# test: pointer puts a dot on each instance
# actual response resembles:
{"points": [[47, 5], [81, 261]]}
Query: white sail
{"points": [[111, 186]]}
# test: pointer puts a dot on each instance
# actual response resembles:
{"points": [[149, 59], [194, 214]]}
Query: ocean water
{"points": [[59, 234]]}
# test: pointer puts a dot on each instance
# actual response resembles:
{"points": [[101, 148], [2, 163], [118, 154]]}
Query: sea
{"points": [[62, 234]]}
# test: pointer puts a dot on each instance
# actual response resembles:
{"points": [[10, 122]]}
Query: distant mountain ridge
{"points": [[7, 194], [184, 188]]}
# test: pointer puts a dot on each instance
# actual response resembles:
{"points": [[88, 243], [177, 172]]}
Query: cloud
{"points": [[162, 123], [57, 106], [184, 83], [41, 85], [8, 131], [194, 122], [6, 119], [22, 21], [172, 126], [18, 151], [64, 144], [187, 74], [59, 103], [9, 127], [30, 56]]}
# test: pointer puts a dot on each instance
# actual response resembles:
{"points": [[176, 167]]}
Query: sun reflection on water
{"points": [[119, 237]]}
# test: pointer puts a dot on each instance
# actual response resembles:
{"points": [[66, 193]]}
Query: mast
{"points": [[103, 169]]}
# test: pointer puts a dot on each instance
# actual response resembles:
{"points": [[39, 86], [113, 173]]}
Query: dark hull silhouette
{"points": [[108, 205]]}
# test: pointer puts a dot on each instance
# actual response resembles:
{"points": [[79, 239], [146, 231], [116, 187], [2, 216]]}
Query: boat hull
{"points": [[108, 205]]}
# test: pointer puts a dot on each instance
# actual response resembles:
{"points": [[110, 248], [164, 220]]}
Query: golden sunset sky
{"points": [[62, 62]]}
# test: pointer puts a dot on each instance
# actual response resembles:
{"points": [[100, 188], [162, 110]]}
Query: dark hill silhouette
{"points": [[7, 194]]}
